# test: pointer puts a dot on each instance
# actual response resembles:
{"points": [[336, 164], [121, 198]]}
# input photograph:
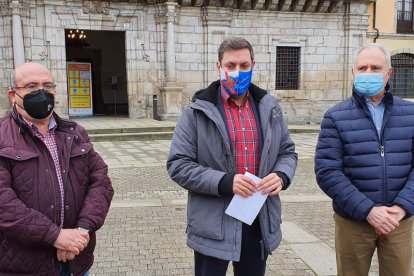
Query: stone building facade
{"points": [[170, 48], [391, 24]]}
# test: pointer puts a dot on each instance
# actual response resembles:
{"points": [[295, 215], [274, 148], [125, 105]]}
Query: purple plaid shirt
{"points": [[50, 141], [243, 133]]}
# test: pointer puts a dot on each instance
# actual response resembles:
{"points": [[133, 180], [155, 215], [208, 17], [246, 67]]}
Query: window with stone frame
{"points": [[405, 17], [402, 79], [287, 68]]}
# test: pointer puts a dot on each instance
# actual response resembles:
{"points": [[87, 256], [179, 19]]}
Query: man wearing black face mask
{"points": [[54, 188], [39, 103]]}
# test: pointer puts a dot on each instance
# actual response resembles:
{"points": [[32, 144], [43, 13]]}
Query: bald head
{"points": [[27, 78], [28, 68]]}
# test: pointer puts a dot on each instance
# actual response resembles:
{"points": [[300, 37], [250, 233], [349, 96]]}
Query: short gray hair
{"points": [[378, 46]]}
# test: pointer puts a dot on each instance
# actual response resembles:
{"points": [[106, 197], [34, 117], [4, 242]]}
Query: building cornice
{"points": [[314, 6], [391, 36]]}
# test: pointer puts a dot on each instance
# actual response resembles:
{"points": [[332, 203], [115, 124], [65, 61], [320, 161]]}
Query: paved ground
{"points": [[144, 233], [104, 122]]}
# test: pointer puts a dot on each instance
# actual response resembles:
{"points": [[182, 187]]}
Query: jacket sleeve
{"points": [[100, 192], [25, 225], [182, 162], [405, 198], [330, 176], [287, 158]]}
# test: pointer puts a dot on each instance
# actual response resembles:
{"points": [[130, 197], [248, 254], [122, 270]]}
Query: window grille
{"points": [[405, 17], [287, 68], [402, 79]]}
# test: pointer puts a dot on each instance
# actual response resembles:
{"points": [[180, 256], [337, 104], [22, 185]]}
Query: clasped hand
{"points": [[385, 219], [271, 185], [70, 243]]}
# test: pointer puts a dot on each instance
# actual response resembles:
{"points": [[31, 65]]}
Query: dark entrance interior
{"points": [[105, 50]]}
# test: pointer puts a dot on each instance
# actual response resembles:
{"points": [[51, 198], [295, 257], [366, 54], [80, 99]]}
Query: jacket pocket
{"points": [[205, 216], [22, 162], [80, 162], [80, 150], [274, 213]]}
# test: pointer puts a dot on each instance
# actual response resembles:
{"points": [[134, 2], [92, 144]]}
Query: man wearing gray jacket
{"points": [[230, 128]]}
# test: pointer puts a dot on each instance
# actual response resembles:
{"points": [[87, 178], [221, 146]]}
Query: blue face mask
{"points": [[369, 84], [235, 83]]}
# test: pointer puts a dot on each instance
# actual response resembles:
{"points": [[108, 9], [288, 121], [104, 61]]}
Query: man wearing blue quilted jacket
{"points": [[364, 162]]}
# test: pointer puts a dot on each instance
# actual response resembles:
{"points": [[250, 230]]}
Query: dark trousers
{"points": [[252, 258]]}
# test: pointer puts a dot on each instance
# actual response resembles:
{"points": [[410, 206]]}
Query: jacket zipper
{"points": [[50, 159], [264, 243], [384, 167], [384, 186], [382, 148]]}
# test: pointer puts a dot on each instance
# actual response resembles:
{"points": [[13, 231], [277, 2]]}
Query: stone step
{"points": [[304, 129], [159, 133], [134, 136], [130, 130]]}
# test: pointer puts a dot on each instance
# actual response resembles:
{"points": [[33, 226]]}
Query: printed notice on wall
{"points": [[79, 88]]}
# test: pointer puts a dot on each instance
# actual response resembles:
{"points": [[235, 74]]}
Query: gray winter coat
{"points": [[200, 160]]}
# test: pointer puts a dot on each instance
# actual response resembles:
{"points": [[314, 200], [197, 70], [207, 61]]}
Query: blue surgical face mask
{"points": [[369, 84], [235, 83]]}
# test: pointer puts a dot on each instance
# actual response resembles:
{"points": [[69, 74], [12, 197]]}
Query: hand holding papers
{"points": [[246, 209]]}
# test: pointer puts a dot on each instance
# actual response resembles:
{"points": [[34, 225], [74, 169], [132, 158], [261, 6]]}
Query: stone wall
{"points": [[328, 42]]}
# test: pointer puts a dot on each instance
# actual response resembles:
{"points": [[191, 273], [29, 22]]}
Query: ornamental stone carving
{"points": [[14, 8], [171, 16], [96, 7], [314, 6], [167, 13]]}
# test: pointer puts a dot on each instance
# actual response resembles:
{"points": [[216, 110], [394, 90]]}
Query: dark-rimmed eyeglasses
{"points": [[49, 86]]}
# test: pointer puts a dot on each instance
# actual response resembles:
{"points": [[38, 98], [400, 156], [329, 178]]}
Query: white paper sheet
{"points": [[246, 208]]}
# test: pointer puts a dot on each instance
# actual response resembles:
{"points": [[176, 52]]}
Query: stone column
{"points": [[355, 29], [170, 66], [18, 46], [171, 93]]}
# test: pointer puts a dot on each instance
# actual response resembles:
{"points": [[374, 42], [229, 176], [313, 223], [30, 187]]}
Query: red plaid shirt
{"points": [[50, 141], [243, 133]]}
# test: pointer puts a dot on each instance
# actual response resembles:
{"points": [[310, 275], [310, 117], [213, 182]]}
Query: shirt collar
{"points": [[369, 101], [226, 97], [52, 124]]}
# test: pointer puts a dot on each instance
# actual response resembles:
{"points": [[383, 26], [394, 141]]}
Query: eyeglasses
{"points": [[49, 86]]}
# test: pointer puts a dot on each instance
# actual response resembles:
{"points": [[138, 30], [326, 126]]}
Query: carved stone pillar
{"points": [[171, 18], [171, 93], [18, 46]]}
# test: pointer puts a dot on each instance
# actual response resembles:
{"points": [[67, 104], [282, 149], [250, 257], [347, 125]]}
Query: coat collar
{"points": [[360, 100], [210, 93], [62, 124]]}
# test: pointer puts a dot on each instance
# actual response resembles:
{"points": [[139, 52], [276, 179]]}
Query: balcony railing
{"points": [[405, 27]]}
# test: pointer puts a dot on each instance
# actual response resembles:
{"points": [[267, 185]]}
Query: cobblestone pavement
{"points": [[144, 233], [105, 122], [146, 153]]}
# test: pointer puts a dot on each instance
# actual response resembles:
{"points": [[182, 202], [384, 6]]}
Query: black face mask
{"points": [[38, 104]]}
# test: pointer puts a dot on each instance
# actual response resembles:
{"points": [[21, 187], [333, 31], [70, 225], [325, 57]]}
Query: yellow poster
{"points": [[73, 82], [84, 83], [73, 74], [80, 88], [81, 101]]}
